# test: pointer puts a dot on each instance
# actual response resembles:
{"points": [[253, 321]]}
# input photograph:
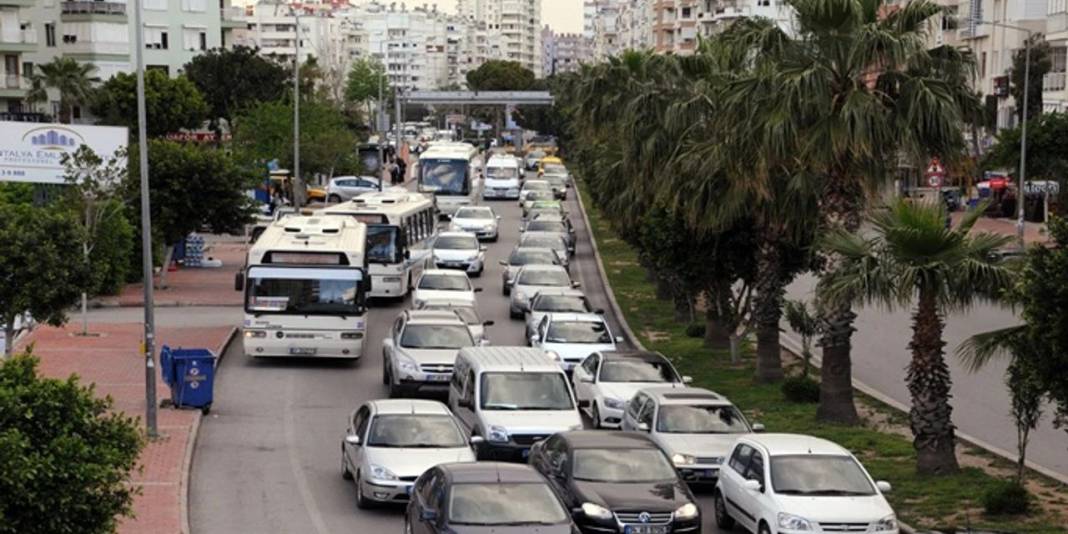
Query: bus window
{"points": [[384, 244]]}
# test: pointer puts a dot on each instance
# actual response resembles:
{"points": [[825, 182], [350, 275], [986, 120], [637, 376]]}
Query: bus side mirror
{"points": [[239, 281]]}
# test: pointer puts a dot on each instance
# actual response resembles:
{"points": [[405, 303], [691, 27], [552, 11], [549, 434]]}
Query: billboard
{"points": [[33, 151]]}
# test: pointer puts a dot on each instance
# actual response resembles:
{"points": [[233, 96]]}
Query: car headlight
{"points": [[407, 364], [418, 303], [381, 473], [683, 459], [497, 434], [886, 524], [793, 522], [596, 511], [615, 404], [255, 333], [686, 511], [553, 355]]}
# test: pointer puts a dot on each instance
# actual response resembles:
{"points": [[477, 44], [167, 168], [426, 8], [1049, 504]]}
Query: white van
{"points": [[502, 177], [512, 397]]}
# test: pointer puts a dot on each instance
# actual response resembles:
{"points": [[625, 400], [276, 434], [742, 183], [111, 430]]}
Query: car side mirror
{"points": [[478, 289], [476, 440], [758, 427], [753, 485], [644, 427], [498, 217], [387, 342], [428, 515], [483, 248], [687, 380], [352, 439], [483, 342], [884, 486], [407, 254], [619, 339], [534, 340], [576, 284], [504, 263], [487, 323], [239, 281]]}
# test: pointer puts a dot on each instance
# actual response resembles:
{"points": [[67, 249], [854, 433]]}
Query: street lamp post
{"points": [[296, 107]]}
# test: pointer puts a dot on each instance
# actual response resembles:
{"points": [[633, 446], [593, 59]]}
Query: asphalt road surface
{"points": [[268, 457]]}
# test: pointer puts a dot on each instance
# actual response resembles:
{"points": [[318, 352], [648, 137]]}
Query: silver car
{"points": [[521, 256], [479, 220], [342, 188], [418, 353], [467, 311], [389, 443], [553, 224], [551, 240], [530, 280], [563, 300]]}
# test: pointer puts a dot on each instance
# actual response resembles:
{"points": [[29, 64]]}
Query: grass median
{"points": [[922, 501]]}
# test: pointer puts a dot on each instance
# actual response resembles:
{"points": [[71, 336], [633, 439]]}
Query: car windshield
{"points": [[543, 278], [524, 257], [456, 242], [537, 185], [502, 173], [578, 332], [819, 474], [621, 465], [473, 213], [554, 168], [546, 226], [542, 241], [414, 431], [637, 371], [436, 336], [560, 303], [495, 504], [532, 196], [445, 282], [547, 204], [444, 176], [681, 419], [525, 391]]}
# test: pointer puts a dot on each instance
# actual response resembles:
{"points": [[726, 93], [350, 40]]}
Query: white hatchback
{"points": [[443, 284], [459, 250], [479, 220], [795, 484], [569, 338]]}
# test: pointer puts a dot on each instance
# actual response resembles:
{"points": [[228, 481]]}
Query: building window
{"points": [[158, 5], [27, 68], [982, 65], [162, 68], [156, 38], [685, 12], [197, 6], [203, 40], [50, 34]]}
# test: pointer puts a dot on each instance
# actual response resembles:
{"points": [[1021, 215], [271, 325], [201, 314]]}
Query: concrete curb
{"points": [[633, 339], [793, 345], [190, 447]]}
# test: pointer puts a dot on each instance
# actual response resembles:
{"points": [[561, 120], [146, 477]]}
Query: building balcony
{"points": [[18, 41], [14, 86], [17, 3], [81, 11], [1053, 81], [91, 48], [230, 17]]}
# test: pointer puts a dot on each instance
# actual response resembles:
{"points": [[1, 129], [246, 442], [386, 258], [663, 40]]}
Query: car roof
{"points": [[576, 317], [433, 317], [533, 181], [788, 444], [408, 406], [533, 249], [450, 302], [444, 272], [560, 291], [508, 358], [544, 214], [456, 234], [643, 355], [490, 473], [476, 208], [600, 439], [685, 395], [540, 234], [542, 267]]}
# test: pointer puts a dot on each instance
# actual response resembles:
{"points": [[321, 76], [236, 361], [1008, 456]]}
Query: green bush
{"points": [[801, 389], [112, 254], [1006, 498], [695, 330]]}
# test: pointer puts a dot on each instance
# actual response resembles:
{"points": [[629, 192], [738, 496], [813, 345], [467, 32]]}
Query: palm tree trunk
{"points": [[683, 307], [767, 311], [929, 382], [717, 335]]}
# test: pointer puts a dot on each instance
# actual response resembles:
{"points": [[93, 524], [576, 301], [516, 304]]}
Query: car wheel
{"points": [[595, 414], [362, 502], [514, 314], [723, 519], [394, 391], [333, 198], [385, 371], [477, 274], [345, 473], [505, 290], [763, 528]]}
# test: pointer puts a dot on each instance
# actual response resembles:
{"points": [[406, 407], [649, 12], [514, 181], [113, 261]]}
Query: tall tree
{"points": [[499, 75], [73, 80], [1047, 153], [365, 81], [232, 79], [171, 104], [913, 256], [1041, 63]]}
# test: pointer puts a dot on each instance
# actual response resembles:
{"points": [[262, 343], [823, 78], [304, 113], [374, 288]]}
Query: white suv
{"points": [[790, 484]]}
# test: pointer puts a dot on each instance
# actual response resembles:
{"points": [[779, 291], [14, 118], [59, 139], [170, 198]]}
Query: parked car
{"points": [[786, 483], [521, 256], [694, 426], [478, 498], [436, 284], [569, 338], [562, 300], [342, 188], [616, 482], [389, 443], [467, 311], [459, 250], [606, 381], [479, 220], [418, 352], [533, 278]]}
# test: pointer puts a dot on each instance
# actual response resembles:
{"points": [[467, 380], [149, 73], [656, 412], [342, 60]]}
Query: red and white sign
{"points": [[936, 173]]}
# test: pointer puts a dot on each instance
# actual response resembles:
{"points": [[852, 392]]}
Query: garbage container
{"points": [[192, 376]]}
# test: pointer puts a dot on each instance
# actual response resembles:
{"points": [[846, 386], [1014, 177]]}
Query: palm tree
{"points": [[912, 255], [842, 96], [72, 79]]}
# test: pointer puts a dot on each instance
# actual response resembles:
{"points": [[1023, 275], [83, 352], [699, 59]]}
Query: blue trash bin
{"points": [[194, 378], [166, 366]]}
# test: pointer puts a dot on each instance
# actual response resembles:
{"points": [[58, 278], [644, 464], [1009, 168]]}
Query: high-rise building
{"points": [[563, 52], [513, 29]]}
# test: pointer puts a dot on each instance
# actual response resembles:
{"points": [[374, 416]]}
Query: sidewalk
{"points": [[193, 286], [112, 362], [1033, 232]]}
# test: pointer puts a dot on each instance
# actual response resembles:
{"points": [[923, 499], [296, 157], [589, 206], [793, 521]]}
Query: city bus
{"points": [[305, 284], [446, 170], [400, 225]]}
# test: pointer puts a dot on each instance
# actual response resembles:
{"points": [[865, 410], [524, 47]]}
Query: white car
{"points": [[535, 185], [467, 311], [569, 338], [389, 443], [418, 352], [521, 256], [790, 483], [563, 300], [438, 284], [342, 188], [533, 278], [479, 220], [502, 178], [606, 381], [459, 250]]}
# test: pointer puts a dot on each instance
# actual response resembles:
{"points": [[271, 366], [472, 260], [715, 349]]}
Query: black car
{"points": [[616, 482], [485, 497]]}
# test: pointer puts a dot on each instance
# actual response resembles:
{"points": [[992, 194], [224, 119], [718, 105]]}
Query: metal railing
{"points": [[80, 7], [1053, 81]]}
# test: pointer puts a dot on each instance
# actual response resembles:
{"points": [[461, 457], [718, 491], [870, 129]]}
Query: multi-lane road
{"points": [[268, 457]]}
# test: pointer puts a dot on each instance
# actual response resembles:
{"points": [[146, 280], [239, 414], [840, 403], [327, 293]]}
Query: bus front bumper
{"points": [[292, 345]]}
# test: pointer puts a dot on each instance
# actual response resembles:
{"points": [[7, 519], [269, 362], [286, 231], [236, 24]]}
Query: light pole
{"points": [[296, 108], [1023, 128], [146, 233]]}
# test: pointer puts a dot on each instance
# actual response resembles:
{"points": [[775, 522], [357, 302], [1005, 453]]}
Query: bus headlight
{"points": [[255, 333], [352, 335]]}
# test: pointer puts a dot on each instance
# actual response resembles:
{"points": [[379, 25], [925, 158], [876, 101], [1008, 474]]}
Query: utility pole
{"points": [[397, 127], [296, 112], [379, 126], [146, 232]]}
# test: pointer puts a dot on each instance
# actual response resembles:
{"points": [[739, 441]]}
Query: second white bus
{"points": [[447, 171]]}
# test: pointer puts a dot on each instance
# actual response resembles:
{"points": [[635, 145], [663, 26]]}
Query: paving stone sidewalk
{"points": [[1033, 232], [193, 286]]}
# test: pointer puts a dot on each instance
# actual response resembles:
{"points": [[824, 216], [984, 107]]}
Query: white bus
{"points": [[305, 287], [399, 227], [447, 171]]}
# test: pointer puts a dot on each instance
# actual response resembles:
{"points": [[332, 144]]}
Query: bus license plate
{"points": [[302, 351]]}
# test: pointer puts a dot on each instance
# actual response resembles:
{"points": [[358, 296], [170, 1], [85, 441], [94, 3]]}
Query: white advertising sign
{"points": [[33, 151]]}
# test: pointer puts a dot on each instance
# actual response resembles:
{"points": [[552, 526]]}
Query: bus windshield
{"points": [[384, 244], [444, 177], [304, 291]]}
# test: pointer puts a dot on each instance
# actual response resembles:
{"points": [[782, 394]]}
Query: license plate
{"points": [[302, 351], [646, 529], [439, 378]]}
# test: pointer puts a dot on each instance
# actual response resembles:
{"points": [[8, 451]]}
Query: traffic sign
{"points": [[936, 173]]}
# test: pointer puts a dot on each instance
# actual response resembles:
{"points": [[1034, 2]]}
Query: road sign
{"points": [[936, 173], [934, 180]]}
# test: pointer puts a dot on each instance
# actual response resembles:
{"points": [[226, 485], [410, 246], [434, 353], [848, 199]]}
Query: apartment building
{"points": [[612, 26], [513, 29], [563, 52]]}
